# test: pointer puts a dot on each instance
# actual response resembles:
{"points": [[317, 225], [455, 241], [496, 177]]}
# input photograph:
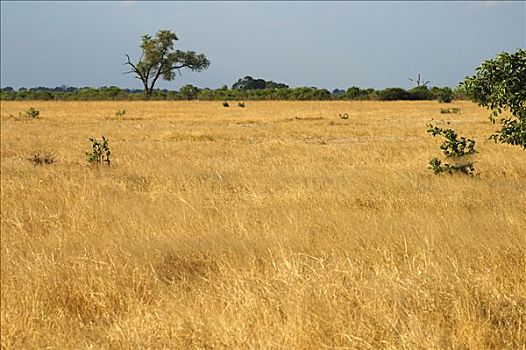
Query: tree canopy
{"points": [[500, 84], [160, 60], [249, 83]]}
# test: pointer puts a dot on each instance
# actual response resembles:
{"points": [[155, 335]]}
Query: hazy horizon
{"points": [[324, 44]]}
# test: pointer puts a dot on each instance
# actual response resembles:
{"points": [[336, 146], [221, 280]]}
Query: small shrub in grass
{"points": [[241, 104], [344, 116], [225, 104], [120, 113], [449, 110], [42, 158], [32, 113], [100, 152], [456, 149]]}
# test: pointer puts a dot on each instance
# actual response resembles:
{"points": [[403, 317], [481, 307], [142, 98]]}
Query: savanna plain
{"points": [[274, 226]]}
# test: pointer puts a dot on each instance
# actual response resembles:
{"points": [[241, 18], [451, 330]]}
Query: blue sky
{"points": [[324, 44]]}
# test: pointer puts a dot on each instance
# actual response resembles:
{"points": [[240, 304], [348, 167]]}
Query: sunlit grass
{"points": [[277, 225]]}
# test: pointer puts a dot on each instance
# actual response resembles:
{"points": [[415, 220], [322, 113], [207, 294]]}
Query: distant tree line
{"points": [[246, 88]]}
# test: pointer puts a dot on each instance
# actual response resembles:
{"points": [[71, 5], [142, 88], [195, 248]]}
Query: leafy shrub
{"points": [[241, 104], [100, 152], [32, 113], [456, 149], [225, 104], [344, 116], [120, 113], [42, 158]]}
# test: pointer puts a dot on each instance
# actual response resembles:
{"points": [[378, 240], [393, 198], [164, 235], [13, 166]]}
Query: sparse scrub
{"points": [[449, 110], [120, 113], [42, 158], [100, 152], [457, 150]]}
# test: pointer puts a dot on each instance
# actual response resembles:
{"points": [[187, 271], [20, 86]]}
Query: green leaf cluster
{"points": [[32, 113], [100, 152], [456, 149], [500, 84]]}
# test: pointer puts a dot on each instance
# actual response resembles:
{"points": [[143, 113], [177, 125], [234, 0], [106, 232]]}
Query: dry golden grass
{"points": [[250, 228]]}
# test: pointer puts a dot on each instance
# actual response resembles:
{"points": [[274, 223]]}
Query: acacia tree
{"points": [[160, 60], [500, 85]]}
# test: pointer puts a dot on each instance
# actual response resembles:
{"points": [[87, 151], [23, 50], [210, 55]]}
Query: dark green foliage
{"points": [[500, 85], [308, 93], [188, 92], [438, 167], [355, 93], [42, 158], [420, 93], [443, 95], [160, 60], [100, 152], [512, 132], [120, 113], [32, 113], [456, 149], [338, 94], [225, 104], [249, 83], [394, 94], [241, 104]]}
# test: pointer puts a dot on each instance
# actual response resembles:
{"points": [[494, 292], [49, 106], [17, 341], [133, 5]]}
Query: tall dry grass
{"points": [[277, 225]]}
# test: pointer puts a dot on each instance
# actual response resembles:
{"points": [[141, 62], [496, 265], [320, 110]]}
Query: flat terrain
{"points": [[275, 226]]}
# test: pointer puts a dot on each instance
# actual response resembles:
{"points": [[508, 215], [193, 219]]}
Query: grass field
{"points": [[275, 226]]}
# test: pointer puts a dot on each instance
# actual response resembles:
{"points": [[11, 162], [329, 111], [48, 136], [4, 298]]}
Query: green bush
{"points": [[457, 150], [100, 152], [32, 113]]}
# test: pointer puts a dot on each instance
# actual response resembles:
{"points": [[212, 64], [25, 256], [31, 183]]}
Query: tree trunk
{"points": [[147, 92]]}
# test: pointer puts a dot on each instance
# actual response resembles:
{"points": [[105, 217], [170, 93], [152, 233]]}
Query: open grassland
{"points": [[275, 226]]}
